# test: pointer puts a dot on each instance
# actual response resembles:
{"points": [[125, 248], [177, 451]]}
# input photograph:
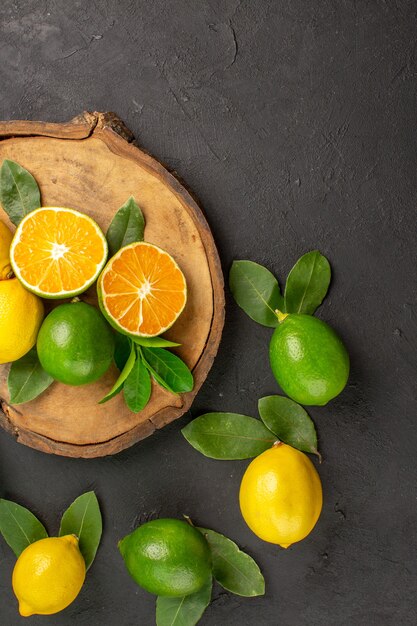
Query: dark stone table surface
{"points": [[294, 123]]}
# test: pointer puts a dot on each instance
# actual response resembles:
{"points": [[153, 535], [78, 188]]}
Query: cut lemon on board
{"points": [[57, 252], [142, 291]]}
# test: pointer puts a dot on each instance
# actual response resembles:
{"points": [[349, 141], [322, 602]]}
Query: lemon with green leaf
{"points": [[281, 495], [308, 359], [48, 575], [167, 557]]}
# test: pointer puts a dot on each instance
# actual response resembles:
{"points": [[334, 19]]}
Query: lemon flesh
{"points": [[281, 495], [21, 314], [48, 575]]}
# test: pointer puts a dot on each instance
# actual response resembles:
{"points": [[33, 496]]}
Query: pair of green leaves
{"points": [[20, 527], [257, 291], [233, 569], [229, 436], [144, 358]]}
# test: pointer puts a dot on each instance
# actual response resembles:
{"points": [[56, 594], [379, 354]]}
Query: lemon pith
{"points": [[281, 495], [48, 575]]}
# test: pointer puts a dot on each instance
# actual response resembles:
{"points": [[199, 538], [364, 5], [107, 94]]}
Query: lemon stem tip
{"points": [[281, 316]]}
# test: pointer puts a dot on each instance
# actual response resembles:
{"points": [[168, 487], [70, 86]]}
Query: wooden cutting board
{"points": [[92, 164]]}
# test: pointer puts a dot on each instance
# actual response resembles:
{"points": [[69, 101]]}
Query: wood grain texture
{"points": [[91, 164]]}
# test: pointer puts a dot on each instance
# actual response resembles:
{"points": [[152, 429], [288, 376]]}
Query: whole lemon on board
{"points": [[6, 237], [21, 314], [281, 496], [48, 575], [308, 359], [75, 344]]}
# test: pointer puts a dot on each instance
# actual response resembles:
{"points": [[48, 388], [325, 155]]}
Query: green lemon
{"points": [[75, 344], [167, 557], [308, 359]]}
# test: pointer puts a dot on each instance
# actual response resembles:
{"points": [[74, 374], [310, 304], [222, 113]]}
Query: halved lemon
{"points": [[58, 252], [142, 291]]}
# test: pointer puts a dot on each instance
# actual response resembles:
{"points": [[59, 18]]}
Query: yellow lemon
{"points": [[48, 575], [6, 237], [21, 314], [281, 495]]}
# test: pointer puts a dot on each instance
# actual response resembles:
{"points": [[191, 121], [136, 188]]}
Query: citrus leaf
{"points": [[118, 385], [137, 387], [228, 436], [307, 283], [156, 377], [170, 369], [289, 422], [83, 519], [256, 291], [19, 191], [184, 611], [122, 350], [155, 342], [27, 379], [127, 226], [19, 526], [233, 569]]}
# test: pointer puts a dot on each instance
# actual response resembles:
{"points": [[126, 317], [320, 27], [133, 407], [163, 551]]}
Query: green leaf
{"points": [[19, 191], [307, 283], [155, 342], [123, 348], [228, 436], [184, 611], [27, 379], [83, 519], [137, 387], [19, 526], [168, 370], [289, 422], [256, 291], [127, 226], [156, 377], [118, 385], [233, 569]]}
